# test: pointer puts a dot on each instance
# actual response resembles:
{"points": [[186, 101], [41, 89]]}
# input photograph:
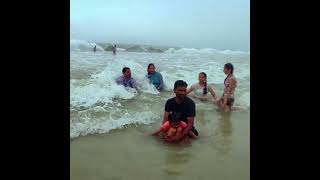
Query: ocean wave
{"points": [[87, 125], [204, 51], [81, 45], [98, 104], [102, 87]]}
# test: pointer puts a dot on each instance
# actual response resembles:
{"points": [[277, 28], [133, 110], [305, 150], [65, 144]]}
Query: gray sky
{"points": [[219, 24]]}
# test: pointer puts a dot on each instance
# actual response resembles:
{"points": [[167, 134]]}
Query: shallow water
{"points": [[99, 105], [221, 152], [108, 122]]}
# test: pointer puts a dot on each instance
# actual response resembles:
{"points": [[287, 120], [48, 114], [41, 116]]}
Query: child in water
{"points": [[173, 127]]}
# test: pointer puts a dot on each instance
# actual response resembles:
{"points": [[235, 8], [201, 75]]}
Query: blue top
{"points": [[156, 80], [127, 82]]}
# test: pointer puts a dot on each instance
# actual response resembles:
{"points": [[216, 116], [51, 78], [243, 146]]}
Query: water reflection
{"points": [[177, 157], [222, 135], [200, 117]]}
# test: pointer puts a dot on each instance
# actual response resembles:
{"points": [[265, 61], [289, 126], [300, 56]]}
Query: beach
{"points": [[108, 123], [221, 152]]}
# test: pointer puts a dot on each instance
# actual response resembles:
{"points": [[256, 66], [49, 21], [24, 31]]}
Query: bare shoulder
{"points": [[232, 79]]}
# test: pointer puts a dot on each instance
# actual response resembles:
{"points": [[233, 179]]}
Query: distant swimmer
{"points": [[126, 80], [94, 48], [155, 77], [114, 49], [230, 84]]}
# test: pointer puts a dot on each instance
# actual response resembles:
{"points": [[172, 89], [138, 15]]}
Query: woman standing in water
{"points": [[230, 84], [155, 77], [201, 89]]}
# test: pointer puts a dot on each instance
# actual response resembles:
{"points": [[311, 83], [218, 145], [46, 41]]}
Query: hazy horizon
{"points": [[184, 23]]}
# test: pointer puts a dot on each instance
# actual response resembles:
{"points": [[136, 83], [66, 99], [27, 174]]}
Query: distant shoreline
{"points": [[145, 48], [136, 47]]}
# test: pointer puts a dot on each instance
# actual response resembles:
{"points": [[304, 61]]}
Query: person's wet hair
{"points": [[124, 69], [180, 83], [151, 64], [173, 117], [205, 90], [229, 66]]}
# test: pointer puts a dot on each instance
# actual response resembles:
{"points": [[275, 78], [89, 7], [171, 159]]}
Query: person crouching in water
{"points": [[126, 80], [200, 90], [155, 77]]}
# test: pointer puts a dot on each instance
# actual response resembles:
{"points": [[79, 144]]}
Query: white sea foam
{"points": [[99, 105]]}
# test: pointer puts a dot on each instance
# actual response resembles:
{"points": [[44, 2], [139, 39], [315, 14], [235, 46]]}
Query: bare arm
{"points": [[157, 132], [165, 117], [189, 126], [232, 83], [189, 90], [212, 92]]}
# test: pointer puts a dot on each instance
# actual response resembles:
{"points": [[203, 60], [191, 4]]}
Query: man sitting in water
{"points": [[126, 79], [183, 107], [173, 127]]}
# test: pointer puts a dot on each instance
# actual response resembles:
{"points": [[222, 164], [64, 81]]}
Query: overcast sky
{"points": [[219, 24]]}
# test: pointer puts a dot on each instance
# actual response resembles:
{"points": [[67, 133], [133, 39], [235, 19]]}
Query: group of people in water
{"points": [[180, 111]]}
